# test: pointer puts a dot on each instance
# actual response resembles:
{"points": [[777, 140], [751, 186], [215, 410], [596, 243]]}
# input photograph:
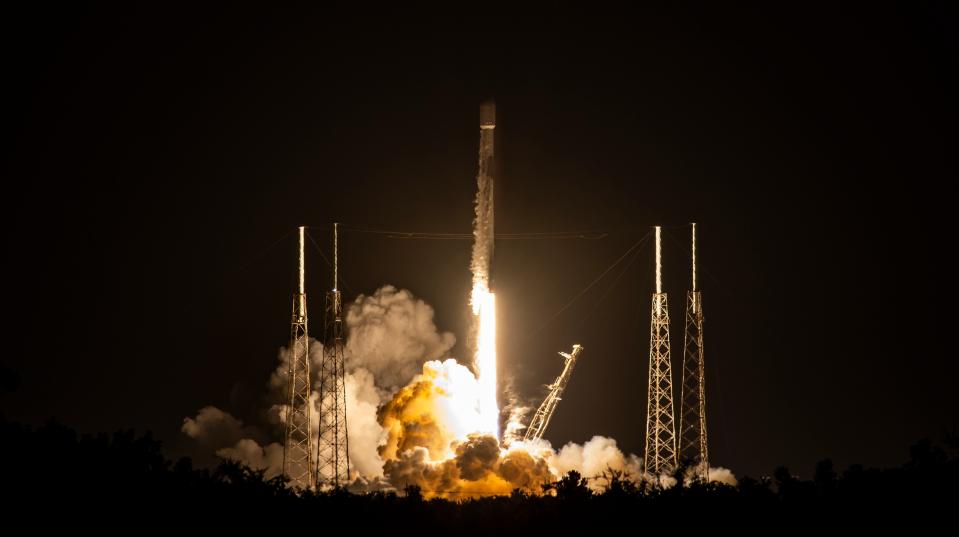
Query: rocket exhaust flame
{"points": [[486, 360]]}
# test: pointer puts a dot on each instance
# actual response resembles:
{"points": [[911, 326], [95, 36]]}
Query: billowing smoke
{"points": [[247, 451], [436, 409], [414, 418], [214, 427], [722, 475], [229, 438], [479, 467], [432, 442], [516, 412], [365, 433], [391, 334], [596, 456]]}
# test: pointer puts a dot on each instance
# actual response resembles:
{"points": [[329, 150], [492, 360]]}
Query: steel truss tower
{"points": [[298, 445], [660, 455], [333, 461], [537, 426], [692, 416]]}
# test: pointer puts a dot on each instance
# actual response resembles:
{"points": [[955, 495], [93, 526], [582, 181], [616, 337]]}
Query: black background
{"points": [[160, 159]]}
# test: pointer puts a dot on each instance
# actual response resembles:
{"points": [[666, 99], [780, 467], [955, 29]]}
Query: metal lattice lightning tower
{"points": [[537, 426], [298, 445], [333, 462], [660, 427], [693, 448]]}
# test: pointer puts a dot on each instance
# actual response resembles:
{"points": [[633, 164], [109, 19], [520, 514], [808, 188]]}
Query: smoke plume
{"points": [[414, 416], [432, 442], [593, 458], [391, 334], [214, 427], [229, 438]]}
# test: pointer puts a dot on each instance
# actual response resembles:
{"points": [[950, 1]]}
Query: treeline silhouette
{"points": [[123, 476]]}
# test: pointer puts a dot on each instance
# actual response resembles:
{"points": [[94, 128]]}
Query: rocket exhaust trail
{"points": [[482, 298]]}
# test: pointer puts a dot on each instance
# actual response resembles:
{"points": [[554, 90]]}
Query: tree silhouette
{"points": [[413, 493], [127, 474], [619, 485], [571, 487]]}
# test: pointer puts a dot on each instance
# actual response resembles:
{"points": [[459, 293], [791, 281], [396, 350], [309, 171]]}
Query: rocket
{"points": [[483, 224]]}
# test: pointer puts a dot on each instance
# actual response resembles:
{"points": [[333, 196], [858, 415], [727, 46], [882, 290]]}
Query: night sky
{"points": [[160, 160]]}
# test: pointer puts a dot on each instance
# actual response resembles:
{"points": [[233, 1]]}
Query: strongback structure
{"points": [[660, 454], [333, 462], [545, 411], [298, 444], [693, 448]]}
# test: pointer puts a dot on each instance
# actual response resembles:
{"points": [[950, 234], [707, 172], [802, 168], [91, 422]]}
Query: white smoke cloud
{"points": [[716, 475], [593, 458], [722, 475], [365, 433], [391, 335], [248, 452], [214, 427], [280, 377], [229, 438], [516, 411]]}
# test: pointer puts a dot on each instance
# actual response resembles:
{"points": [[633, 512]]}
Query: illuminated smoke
{"points": [[593, 458], [516, 417], [247, 451], [435, 410], [416, 419], [214, 427], [391, 334], [434, 440], [716, 475], [226, 436], [722, 475]]}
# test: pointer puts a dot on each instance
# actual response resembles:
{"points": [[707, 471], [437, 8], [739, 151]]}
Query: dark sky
{"points": [[158, 155]]}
